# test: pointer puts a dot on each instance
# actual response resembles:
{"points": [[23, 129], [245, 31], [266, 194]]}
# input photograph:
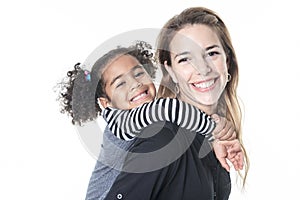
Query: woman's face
{"points": [[199, 66], [127, 84]]}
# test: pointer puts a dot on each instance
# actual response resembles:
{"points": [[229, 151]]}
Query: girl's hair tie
{"points": [[87, 75]]}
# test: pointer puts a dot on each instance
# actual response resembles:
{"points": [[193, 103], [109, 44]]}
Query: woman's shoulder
{"points": [[156, 148], [111, 141], [156, 135]]}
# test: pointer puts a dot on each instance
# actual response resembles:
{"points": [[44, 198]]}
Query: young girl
{"points": [[120, 79]]}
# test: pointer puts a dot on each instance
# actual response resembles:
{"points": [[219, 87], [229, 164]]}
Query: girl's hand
{"points": [[224, 129]]}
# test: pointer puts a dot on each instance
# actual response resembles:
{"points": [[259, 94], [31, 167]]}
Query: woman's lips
{"points": [[204, 86]]}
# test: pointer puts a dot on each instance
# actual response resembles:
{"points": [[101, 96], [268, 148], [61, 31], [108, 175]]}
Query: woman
{"points": [[199, 67], [201, 29]]}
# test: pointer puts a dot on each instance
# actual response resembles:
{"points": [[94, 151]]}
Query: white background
{"points": [[41, 154]]}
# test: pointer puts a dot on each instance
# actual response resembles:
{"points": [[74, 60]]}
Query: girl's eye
{"points": [[139, 74], [120, 84]]}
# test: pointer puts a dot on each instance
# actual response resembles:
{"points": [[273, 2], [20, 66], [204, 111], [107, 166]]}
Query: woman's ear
{"points": [[104, 102], [171, 72]]}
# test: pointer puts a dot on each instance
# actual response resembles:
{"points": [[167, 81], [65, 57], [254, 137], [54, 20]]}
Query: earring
{"points": [[228, 77]]}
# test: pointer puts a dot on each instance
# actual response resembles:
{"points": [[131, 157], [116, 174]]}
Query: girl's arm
{"points": [[127, 124]]}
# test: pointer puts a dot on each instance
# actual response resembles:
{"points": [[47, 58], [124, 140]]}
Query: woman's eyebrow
{"points": [[212, 46], [188, 52]]}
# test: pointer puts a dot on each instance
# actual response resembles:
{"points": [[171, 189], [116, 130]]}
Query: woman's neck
{"points": [[208, 109]]}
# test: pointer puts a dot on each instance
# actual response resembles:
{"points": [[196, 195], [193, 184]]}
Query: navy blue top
{"points": [[168, 162]]}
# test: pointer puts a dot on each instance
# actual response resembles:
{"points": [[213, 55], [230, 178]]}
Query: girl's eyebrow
{"points": [[115, 79], [119, 76], [136, 67]]}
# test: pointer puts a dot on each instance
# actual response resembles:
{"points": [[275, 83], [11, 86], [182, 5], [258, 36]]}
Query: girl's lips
{"points": [[140, 97], [204, 86]]}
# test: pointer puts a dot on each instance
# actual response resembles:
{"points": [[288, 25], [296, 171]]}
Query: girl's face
{"points": [[199, 66], [127, 84]]}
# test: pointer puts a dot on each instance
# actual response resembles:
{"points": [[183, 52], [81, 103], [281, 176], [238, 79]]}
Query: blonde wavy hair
{"points": [[228, 104]]}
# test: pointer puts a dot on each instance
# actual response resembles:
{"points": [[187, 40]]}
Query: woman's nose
{"points": [[202, 66]]}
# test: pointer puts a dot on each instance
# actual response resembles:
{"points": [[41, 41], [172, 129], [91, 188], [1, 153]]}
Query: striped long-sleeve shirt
{"points": [[127, 124]]}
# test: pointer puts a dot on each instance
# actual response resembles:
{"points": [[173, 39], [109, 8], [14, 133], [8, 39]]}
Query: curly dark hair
{"points": [[80, 89]]}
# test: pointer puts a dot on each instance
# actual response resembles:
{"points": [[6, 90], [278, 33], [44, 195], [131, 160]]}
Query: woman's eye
{"points": [[213, 53], [183, 60]]}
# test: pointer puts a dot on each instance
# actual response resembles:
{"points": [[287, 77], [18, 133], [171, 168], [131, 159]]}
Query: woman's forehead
{"points": [[194, 37]]}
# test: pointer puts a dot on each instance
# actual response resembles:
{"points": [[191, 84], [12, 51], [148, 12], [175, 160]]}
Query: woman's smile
{"points": [[204, 86]]}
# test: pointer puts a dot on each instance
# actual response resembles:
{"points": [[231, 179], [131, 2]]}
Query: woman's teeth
{"points": [[204, 85]]}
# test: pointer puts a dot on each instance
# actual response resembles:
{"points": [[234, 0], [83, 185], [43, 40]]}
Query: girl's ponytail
{"points": [[77, 96]]}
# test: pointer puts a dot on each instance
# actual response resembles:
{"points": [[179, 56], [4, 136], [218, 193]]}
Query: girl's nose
{"points": [[134, 84]]}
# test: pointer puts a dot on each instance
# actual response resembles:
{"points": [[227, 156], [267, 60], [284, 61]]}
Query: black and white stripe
{"points": [[127, 124]]}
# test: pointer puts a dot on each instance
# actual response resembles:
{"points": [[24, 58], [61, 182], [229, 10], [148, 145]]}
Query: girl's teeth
{"points": [[205, 84], [138, 97]]}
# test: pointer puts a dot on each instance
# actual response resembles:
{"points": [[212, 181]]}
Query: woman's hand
{"points": [[230, 150]]}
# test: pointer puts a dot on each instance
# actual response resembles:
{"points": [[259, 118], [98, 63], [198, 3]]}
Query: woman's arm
{"points": [[126, 124]]}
